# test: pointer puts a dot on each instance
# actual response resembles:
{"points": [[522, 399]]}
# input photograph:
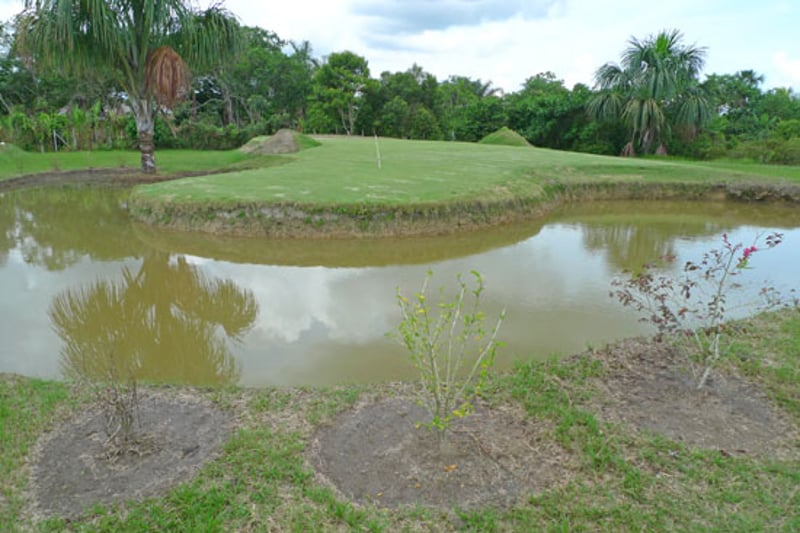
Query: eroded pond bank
{"points": [[291, 220]]}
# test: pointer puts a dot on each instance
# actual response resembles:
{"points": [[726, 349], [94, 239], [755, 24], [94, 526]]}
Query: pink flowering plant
{"points": [[696, 305]]}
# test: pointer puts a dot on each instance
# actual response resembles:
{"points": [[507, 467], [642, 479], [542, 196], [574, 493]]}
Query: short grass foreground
{"points": [[596, 457]]}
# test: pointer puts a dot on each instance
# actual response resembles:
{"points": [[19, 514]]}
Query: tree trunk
{"points": [[144, 115], [228, 101], [628, 150]]}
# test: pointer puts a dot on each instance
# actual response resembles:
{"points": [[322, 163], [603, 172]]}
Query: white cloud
{"points": [[507, 41], [9, 8], [415, 16], [789, 68]]}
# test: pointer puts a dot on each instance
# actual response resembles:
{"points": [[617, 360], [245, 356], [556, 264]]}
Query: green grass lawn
{"points": [[345, 171], [624, 481], [15, 162]]}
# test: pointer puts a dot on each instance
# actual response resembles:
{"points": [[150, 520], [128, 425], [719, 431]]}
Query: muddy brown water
{"points": [[81, 285]]}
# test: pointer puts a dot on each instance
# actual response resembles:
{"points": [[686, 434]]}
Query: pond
{"points": [[81, 282]]}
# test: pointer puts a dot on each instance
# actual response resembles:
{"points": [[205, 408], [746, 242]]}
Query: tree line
{"points": [[246, 81]]}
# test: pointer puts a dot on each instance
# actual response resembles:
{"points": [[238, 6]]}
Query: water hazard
{"points": [[81, 283]]}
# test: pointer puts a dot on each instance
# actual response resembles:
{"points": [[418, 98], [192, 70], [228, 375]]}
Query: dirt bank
{"points": [[289, 220]]}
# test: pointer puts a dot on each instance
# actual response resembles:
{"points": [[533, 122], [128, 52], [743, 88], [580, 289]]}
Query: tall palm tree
{"points": [[653, 88], [143, 45]]}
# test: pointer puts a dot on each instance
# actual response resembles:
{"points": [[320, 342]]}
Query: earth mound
{"points": [[505, 137], [284, 141]]}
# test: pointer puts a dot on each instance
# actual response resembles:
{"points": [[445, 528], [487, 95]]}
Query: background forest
{"points": [[276, 84]]}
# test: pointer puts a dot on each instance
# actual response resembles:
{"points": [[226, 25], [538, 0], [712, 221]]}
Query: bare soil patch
{"points": [[117, 177], [650, 386], [282, 142], [71, 469], [376, 453]]}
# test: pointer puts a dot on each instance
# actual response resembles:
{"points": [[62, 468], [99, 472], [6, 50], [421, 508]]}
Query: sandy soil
{"points": [[651, 387]]}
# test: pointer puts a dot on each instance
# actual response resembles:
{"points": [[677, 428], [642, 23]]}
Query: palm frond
{"points": [[606, 105]]}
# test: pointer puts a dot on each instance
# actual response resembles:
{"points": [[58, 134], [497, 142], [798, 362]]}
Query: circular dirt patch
{"points": [[649, 386], [376, 454], [71, 469]]}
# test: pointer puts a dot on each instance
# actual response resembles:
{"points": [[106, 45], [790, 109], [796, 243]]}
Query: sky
{"points": [[508, 41]]}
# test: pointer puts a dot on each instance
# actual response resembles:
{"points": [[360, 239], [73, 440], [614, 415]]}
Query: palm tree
{"points": [[142, 45], [654, 87]]}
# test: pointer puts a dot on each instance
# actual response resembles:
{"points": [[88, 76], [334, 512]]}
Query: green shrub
{"points": [[774, 150], [450, 348]]}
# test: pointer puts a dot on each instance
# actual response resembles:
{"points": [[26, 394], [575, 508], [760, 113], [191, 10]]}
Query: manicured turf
{"points": [[346, 171]]}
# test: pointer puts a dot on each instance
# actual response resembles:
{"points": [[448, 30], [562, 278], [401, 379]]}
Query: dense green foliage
{"points": [[277, 84], [654, 91], [140, 47]]}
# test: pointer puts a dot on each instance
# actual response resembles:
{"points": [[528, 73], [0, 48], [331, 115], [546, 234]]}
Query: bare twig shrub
{"points": [[119, 400], [115, 391]]}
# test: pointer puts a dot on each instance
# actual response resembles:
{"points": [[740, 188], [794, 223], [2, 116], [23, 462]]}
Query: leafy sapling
{"points": [[450, 347]]}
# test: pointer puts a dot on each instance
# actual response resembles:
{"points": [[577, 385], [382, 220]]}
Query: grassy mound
{"points": [[505, 137], [284, 141]]}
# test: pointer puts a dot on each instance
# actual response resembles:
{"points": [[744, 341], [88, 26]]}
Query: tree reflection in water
{"points": [[166, 323], [57, 228], [631, 238]]}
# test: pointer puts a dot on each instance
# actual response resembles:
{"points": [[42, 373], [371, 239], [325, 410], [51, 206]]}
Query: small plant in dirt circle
{"points": [[450, 347], [116, 393], [696, 304]]}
